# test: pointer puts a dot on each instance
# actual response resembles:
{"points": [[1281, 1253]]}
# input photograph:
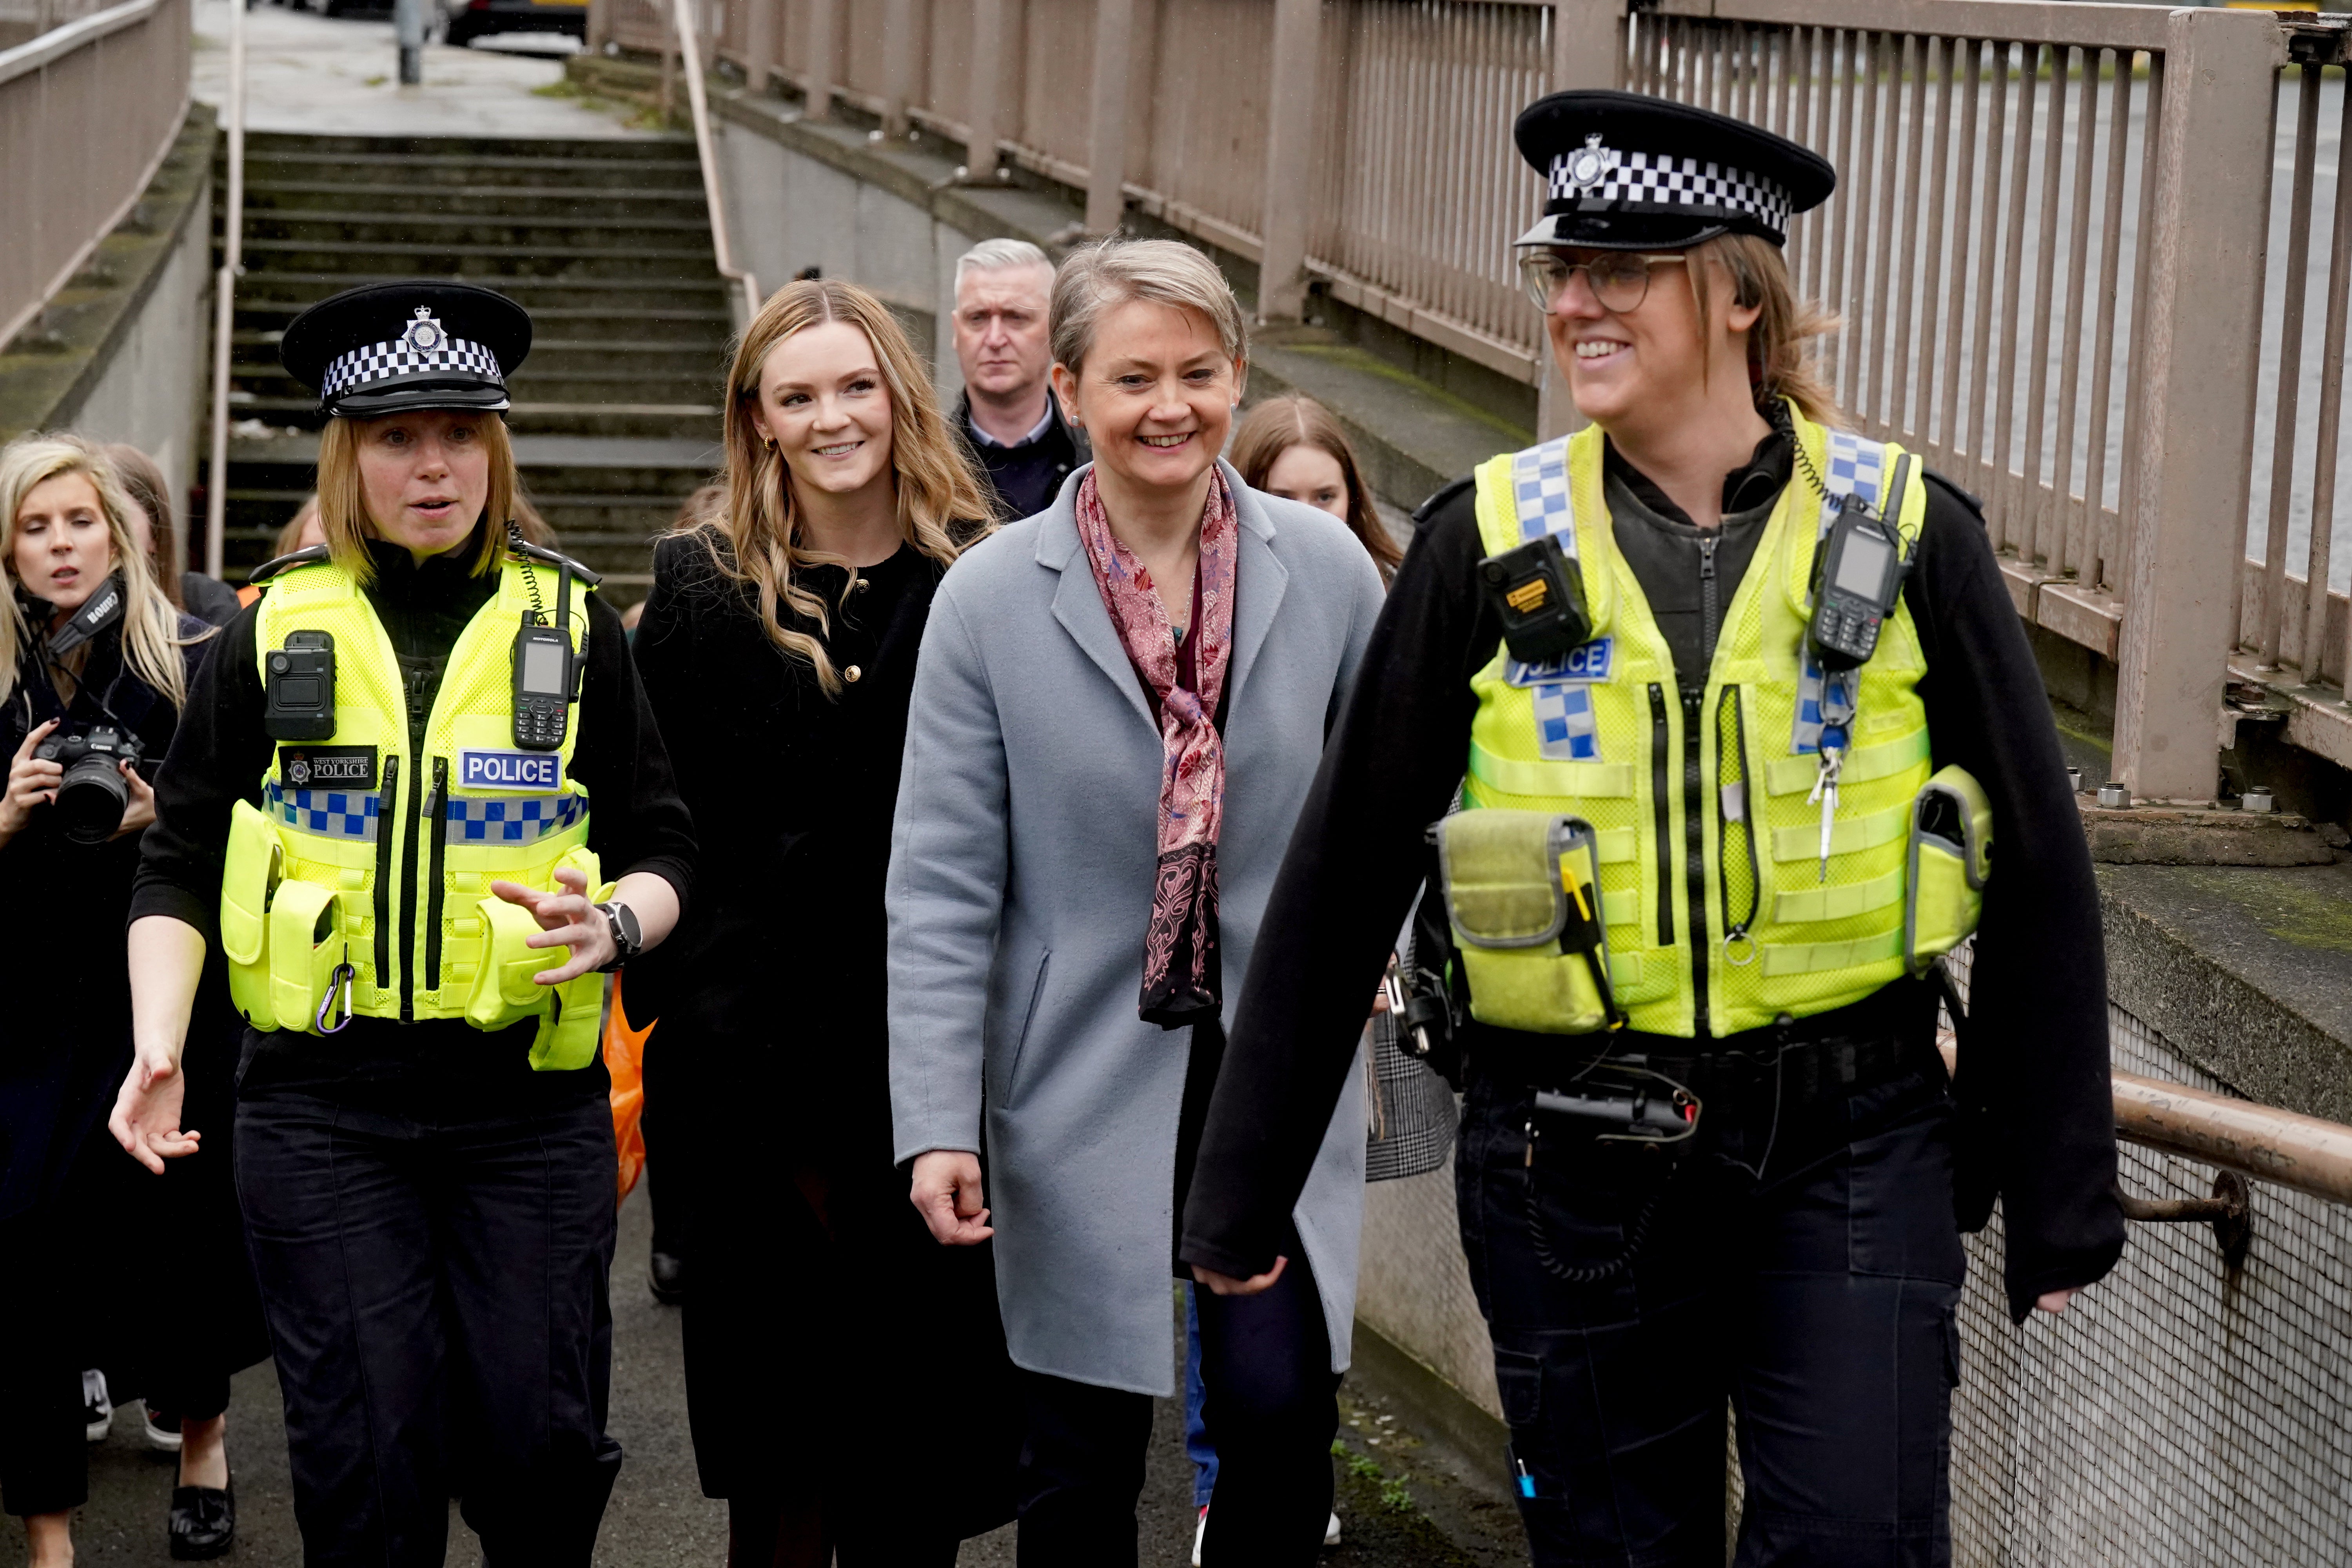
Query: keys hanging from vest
{"points": [[1826, 790]]}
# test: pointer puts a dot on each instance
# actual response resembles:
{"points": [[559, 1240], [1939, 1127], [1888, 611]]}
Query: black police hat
{"points": [[1630, 172], [386, 348]]}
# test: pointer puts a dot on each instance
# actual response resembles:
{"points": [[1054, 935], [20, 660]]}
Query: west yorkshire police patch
{"points": [[1585, 662], [327, 767], [540, 772]]}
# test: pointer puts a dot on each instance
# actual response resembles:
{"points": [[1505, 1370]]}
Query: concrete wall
{"points": [[789, 211], [150, 390]]}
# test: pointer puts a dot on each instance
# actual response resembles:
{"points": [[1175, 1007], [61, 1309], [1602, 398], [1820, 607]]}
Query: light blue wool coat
{"points": [[1022, 865]]}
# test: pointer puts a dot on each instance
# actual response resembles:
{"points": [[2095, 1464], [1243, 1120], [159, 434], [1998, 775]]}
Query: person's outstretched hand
{"points": [[146, 1119], [945, 1192], [566, 919]]}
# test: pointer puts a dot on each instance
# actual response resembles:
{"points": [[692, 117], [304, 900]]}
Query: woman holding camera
{"points": [[95, 665], [401, 787], [779, 649]]}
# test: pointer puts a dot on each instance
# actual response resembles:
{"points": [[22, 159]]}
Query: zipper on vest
{"points": [[1710, 600], [1694, 854], [1662, 804], [436, 810], [387, 823], [1735, 754], [408, 918]]}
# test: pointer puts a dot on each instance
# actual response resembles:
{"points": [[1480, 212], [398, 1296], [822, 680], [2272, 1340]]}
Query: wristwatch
{"points": [[626, 941]]}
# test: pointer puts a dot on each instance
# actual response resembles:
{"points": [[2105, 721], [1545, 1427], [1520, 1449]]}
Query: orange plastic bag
{"points": [[625, 1059]]}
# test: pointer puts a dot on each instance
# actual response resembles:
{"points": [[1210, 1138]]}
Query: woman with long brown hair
{"points": [[1291, 446], [779, 646]]}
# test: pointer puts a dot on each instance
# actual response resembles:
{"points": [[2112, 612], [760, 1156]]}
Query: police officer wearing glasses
{"points": [[1747, 738]]}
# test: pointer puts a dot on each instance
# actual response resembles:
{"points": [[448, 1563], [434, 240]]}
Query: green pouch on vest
{"points": [[1522, 891], [571, 1031], [305, 943], [1950, 858], [249, 871]]}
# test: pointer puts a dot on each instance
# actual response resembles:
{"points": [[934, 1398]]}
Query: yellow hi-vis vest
{"points": [[361, 883], [1716, 913]]}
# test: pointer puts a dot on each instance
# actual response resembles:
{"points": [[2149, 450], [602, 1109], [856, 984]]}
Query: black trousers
{"points": [[1800, 1265], [43, 1466], [1272, 1409], [435, 1285]]}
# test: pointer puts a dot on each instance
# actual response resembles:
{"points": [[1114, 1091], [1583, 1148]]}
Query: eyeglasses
{"points": [[1620, 279]]}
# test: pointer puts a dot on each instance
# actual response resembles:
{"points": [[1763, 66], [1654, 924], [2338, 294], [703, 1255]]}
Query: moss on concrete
{"points": [[49, 368]]}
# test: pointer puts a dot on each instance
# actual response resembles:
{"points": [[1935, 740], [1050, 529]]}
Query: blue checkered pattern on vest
{"points": [[1566, 730], [1540, 483], [329, 813], [513, 819], [1857, 467]]}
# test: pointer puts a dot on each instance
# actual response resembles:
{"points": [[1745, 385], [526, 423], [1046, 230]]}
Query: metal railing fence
{"points": [[88, 111], [2062, 269]]}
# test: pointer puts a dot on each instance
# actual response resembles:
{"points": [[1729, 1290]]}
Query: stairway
{"points": [[605, 241]]}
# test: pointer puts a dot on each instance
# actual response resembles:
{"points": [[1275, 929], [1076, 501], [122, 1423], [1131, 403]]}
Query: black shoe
{"points": [[203, 1521], [667, 1276]]}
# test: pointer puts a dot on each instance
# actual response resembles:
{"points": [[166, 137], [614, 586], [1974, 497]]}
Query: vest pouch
{"points": [[504, 992], [569, 1033], [249, 873], [1950, 860], [1522, 892], [305, 944]]}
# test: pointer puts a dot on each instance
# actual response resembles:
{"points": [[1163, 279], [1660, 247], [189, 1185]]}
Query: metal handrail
{"points": [[61, 41], [698, 102], [224, 298], [2285, 1148]]}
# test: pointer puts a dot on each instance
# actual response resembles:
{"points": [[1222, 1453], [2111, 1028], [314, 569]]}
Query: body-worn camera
{"points": [[1539, 595], [91, 797], [298, 686]]}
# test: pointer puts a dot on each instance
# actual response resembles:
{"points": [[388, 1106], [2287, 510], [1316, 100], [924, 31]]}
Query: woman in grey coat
{"points": [[1119, 707]]}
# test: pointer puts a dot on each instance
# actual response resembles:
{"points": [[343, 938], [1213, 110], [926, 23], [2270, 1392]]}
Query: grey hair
{"points": [[1164, 271], [999, 256]]}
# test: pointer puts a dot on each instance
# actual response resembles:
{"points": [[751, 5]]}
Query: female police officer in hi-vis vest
{"points": [[1743, 708], [394, 802]]}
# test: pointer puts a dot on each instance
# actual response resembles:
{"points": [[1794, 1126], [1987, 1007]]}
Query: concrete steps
{"points": [[607, 244]]}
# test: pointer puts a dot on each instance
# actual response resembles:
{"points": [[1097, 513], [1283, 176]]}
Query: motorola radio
{"points": [[1857, 581]]}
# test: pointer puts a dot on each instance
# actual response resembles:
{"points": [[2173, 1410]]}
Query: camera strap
{"points": [[99, 611]]}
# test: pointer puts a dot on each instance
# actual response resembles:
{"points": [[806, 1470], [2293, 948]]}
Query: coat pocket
{"points": [[250, 868], [1009, 1081]]}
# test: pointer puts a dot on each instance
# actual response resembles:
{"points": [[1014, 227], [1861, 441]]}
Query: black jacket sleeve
{"points": [[2037, 1057], [2037, 1106], [636, 821], [1389, 771]]}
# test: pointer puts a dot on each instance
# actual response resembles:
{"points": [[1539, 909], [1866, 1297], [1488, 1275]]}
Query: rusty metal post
{"points": [[760, 45], [988, 52], [1291, 139], [823, 17], [2205, 279], [899, 45], [1588, 49], [1107, 139]]}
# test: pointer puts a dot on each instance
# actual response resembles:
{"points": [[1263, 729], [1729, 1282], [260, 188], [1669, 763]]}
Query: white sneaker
{"points": [[98, 1411], [1200, 1533], [1331, 1531], [164, 1440]]}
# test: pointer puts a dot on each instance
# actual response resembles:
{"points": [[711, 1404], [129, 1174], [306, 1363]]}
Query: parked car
{"points": [[471, 19]]}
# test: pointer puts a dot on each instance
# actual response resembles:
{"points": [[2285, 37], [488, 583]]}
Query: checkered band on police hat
{"points": [[1655, 181], [425, 347]]}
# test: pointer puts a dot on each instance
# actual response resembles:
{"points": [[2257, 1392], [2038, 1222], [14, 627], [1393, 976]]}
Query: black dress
{"points": [[818, 1304], [69, 1199]]}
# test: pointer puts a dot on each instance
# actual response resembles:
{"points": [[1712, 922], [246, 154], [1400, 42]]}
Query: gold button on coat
{"points": [[850, 674]]}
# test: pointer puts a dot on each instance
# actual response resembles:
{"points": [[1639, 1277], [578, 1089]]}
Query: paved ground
{"points": [[306, 72], [1403, 1504]]}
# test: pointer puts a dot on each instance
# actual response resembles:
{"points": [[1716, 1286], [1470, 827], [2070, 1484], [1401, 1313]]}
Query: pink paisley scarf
{"points": [[1180, 972]]}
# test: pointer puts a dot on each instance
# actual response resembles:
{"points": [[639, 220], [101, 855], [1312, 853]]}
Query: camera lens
{"points": [[280, 664], [90, 798]]}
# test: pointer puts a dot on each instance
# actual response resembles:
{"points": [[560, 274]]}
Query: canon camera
{"points": [[91, 797]]}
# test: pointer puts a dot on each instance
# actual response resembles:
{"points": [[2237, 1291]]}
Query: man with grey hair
{"points": [[1008, 416]]}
